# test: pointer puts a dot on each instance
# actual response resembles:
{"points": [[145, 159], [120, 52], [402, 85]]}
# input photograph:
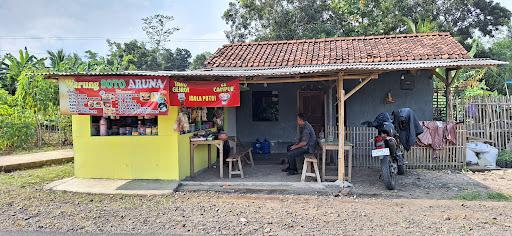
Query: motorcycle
{"points": [[388, 143], [391, 156]]}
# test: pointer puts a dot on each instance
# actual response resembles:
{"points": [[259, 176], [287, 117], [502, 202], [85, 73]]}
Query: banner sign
{"points": [[205, 93], [114, 95]]}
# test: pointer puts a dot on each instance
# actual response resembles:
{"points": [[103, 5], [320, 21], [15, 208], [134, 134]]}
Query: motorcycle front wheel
{"points": [[388, 176]]}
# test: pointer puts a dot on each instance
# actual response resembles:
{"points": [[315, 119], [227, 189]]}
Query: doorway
{"points": [[311, 103]]}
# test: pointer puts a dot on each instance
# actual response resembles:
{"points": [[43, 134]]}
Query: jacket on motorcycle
{"points": [[408, 126]]}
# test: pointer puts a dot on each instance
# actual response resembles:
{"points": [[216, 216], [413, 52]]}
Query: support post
{"points": [[341, 129], [448, 95]]}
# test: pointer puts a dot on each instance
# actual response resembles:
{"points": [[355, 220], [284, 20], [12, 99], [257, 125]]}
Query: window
{"points": [[265, 106], [124, 126]]}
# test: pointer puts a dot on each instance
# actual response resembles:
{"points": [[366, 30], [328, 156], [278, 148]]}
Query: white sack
{"points": [[488, 159], [471, 157], [478, 147]]}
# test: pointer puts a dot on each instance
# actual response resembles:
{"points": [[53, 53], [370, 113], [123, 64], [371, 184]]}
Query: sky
{"points": [[80, 25]]}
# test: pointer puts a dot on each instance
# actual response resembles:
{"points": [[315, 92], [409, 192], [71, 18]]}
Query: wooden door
{"points": [[311, 103]]}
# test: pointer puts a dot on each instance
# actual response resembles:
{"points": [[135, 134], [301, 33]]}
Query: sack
{"points": [[471, 157]]}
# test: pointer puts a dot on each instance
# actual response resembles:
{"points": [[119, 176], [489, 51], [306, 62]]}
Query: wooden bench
{"points": [[239, 171], [310, 159], [240, 153], [245, 153]]}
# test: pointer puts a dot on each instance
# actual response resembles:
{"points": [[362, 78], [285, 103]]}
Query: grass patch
{"points": [[481, 196], [27, 178]]}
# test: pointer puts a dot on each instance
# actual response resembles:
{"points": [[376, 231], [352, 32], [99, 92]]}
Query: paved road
{"points": [[31, 160]]}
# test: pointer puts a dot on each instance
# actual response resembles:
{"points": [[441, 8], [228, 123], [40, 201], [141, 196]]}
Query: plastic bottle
{"points": [[103, 127], [257, 146], [266, 146], [141, 128]]}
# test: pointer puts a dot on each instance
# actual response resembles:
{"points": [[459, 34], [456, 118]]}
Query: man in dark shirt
{"points": [[306, 143]]}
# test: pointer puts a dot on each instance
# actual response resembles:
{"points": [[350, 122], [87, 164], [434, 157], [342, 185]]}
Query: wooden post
{"points": [[341, 129], [448, 95]]}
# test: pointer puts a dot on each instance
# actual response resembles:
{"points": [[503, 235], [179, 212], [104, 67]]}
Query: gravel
{"points": [[217, 213], [27, 207]]}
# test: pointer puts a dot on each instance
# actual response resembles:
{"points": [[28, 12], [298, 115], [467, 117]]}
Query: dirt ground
{"points": [[230, 214], [498, 180], [25, 206]]}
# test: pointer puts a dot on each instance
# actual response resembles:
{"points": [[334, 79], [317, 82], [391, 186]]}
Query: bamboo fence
{"points": [[451, 157], [490, 118]]}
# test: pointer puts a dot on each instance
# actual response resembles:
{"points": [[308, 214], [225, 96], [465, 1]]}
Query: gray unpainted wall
{"points": [[280, 131], [368, 101], [363, 105]]}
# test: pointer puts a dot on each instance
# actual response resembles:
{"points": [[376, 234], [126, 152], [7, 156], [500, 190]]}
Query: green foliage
{"points": [[16, 66], [505, 155], [36, 94], [199, 60], [17, 130], [479, 196], [298, 19], [495, 78], [135, 55]]}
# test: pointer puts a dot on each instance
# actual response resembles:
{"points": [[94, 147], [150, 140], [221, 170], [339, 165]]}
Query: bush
{"points": [[504, 159], [17, 130], [505, 155]]}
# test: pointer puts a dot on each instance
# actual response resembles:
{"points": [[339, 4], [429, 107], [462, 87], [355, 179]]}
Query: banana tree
{"points": [[16, 66], [422, 26]]}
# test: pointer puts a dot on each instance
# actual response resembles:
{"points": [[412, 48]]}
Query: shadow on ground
{"points": [[416, 184]]}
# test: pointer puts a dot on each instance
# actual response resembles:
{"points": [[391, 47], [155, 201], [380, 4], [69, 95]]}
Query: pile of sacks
{"points": [[482, 154]]}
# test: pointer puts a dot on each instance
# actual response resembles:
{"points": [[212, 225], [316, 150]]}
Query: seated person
{"points": [[306, 143]]}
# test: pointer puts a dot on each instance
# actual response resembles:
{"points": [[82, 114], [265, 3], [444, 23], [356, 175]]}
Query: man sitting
{"points": [[306, 143]]}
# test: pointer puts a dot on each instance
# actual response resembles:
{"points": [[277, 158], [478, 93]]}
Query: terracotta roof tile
{"points": [[386, 48]]}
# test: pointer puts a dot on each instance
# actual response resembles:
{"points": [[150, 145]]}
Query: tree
{"points": [[423, 26], [56, 58], [133, 54], [460, 17], [297, 19], [278, 20], [199, 60], [157, 29], [495, 78], [16, 66], [178, 59], [61, 62], [95, 63]]}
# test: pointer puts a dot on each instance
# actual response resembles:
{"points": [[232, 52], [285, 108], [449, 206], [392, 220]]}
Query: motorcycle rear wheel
{"points": [[388, 176]]}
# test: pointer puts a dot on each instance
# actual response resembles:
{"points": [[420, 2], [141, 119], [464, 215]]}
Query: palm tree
{"points": [[57, 58]]}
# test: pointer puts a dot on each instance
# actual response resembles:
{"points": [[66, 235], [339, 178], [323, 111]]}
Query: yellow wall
{"points": [[166, 156], [200, 157]]}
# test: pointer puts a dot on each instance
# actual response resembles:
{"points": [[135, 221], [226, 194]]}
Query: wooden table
{"points": [[334, 146], [218, 144]]}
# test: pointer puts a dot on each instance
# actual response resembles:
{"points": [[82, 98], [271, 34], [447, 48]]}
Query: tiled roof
{"points": [[343, 50]]}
